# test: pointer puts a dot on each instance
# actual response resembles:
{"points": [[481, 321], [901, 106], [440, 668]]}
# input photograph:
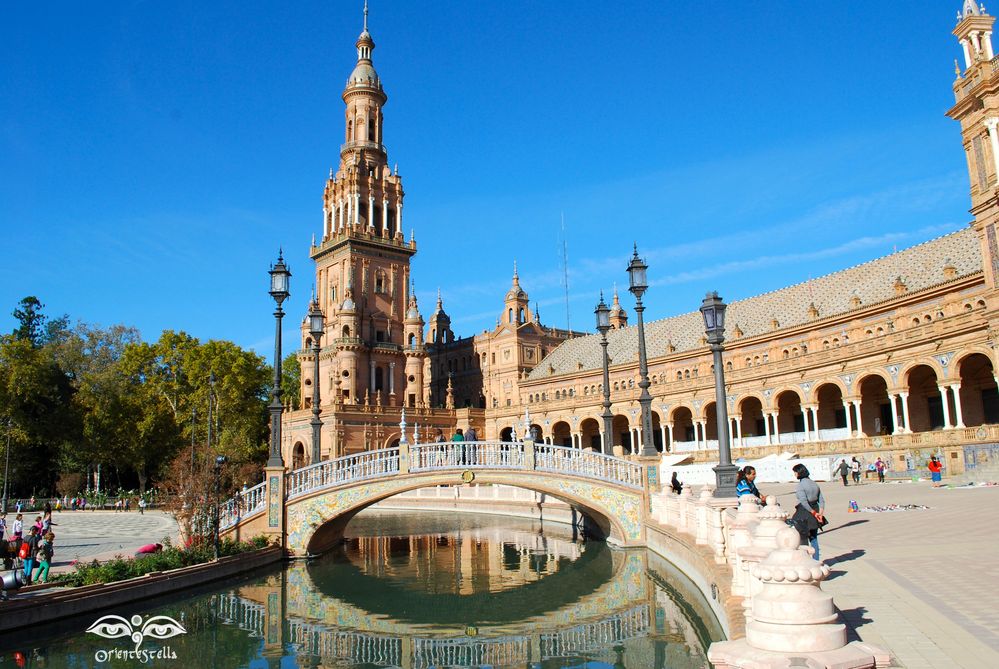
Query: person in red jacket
{"points": [[935, 466]]}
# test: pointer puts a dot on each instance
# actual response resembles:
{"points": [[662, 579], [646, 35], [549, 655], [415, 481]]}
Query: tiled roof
{"points": [[919, 267]]}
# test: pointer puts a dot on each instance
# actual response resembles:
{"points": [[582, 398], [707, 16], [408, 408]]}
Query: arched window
{"points": [[728, 366], [350, 130], [379, 378], [679, 376], [379, 282], [371, 131], [520, 316], [412, 340], [509, 315], [346, 331]]}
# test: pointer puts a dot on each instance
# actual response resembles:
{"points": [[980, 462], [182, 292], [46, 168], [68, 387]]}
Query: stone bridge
{"points": [[309, 507]]}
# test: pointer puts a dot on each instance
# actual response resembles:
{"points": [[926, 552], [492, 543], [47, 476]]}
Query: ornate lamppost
{"points": [[280, 285], [713, 310], [6, 466], [219, 461], [316, 329], [638, 284], [603, 327]]}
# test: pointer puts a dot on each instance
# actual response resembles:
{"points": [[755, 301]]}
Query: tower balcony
{"points": [[355, 145]]}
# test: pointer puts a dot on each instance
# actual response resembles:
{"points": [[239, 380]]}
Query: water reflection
{"points": [[415, 592]]}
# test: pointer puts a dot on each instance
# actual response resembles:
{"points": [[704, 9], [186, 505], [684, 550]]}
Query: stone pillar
{"points": [[738, 430], [766, 428], [350, 209], [804, 420], [662, 435], [385, 230], [391, 378], [987, 44], [371, 376], [357, 209], [371, 212], [776, 415], [905, 411], [815, 421], [959, 414], [791, 614], [946, 407], [339, 211], [860, 418], [704, 434], [967, 52], [669, 431], [849, 418], [991, 124], [398, 215], [896, 429]]}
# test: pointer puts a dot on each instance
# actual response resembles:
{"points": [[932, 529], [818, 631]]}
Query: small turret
{"points": [[618, 316]]}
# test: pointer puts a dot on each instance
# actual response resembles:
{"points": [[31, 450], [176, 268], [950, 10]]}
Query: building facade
{"points": [[896, 353]]}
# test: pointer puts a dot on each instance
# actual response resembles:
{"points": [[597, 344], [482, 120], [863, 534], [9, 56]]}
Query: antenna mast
{"points": [[565, 273]]}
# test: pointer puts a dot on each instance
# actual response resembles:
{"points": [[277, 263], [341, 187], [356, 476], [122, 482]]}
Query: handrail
{"points": [[568, 460], [343, 470], [242, 505], [466, 455]]}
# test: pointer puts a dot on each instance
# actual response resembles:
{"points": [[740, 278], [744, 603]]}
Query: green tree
{"points": [[291, 380], [36, 328]]}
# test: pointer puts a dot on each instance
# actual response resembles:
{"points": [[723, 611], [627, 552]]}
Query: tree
{"points": [[34, 326], [291, 380]]}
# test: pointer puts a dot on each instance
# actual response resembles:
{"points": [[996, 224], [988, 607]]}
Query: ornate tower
{"points": [[517, 310], [363, 260], [976, 90], [618, 316]]}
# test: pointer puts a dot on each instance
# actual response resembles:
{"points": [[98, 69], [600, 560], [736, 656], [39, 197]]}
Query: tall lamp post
{"points": [[219, 461], [6, 466], [637, 284], [603, 327], [316, 328], [713, 310], [280, 284]]}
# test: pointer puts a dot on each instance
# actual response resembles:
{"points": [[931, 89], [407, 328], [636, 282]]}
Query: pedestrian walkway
{"points": [[100, 535], [920, 583]]}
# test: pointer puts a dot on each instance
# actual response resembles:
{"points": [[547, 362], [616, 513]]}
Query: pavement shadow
{"points": [[840, 527], [846, 557], [854, 619]]}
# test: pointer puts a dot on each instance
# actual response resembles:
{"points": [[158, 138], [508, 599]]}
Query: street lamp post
{"points": [[316, 328], [603, 327], [713, 310], [637, 285], [6, 466], [219, 461], [280, 284]]}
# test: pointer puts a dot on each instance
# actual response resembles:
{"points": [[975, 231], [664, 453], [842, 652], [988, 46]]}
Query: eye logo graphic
{"points": [[156, 627]]}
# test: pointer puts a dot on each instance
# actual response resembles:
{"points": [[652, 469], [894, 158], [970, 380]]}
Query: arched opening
{"points": [[831, 414], [509, 315], [298, 456], [683, 429], [537, 434], [345, 332], [979, 396], [590, 429], [875, 406], [754, 427], [790, 421], [561, 434], [520, 316], [710, 425], [506, 434], [622, 432], [412, 340], [926, 410], [379, 379], [657, 432]]}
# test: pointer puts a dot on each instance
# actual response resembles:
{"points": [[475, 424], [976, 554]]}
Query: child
{"points": [[44, 557]]}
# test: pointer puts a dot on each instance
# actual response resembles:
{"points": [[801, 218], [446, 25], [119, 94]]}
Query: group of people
{"points": [[33, 547], [809, 511]]}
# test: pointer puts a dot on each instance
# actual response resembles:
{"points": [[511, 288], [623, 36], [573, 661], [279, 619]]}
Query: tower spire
{"points": [[365, 15]]}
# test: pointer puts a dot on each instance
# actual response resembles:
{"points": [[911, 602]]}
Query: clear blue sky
{"points": [[154, 156]]}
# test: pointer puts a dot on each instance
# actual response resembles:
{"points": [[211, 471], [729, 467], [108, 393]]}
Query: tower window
{"points": [[520, 316], [371, 131]]}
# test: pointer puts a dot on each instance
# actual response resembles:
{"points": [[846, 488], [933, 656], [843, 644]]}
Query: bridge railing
{"points": [[566, 460], [348, 469], [466, 455], [241, 505]]}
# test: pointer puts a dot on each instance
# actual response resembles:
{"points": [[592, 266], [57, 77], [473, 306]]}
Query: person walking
{"points": [[3, 525], [843, 470], [879, 467], [459, 449], [855, 470], [935, 467], [17, 529], [809, 513], [745, 483], [142, 503], [31, 544]]}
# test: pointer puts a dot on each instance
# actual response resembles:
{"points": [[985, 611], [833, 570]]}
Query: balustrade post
{"points": [[403, 458], [740, 534], [701, 530], [276, 499], [529, 455]]}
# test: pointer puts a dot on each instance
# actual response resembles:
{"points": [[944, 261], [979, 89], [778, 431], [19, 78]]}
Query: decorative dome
{"points": [[364, 74]]}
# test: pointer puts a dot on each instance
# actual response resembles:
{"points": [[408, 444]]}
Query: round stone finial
{"points": [[788, 538], [771, 500]]}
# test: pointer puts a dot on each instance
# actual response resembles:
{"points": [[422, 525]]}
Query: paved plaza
{"points": [[100, 535], [920, 583]]}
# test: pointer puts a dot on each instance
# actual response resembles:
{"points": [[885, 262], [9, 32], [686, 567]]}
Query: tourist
{"points": [[843, 470], [128, 504], [38, 525], [855, 469], [459, 450], [470, 434], [935, 466], [675, 484], [879, 467], [142, 501], [33, 501], [809, 513], [744, 483], [44, 557], [3, 525], [17, 529], [28, 551]]}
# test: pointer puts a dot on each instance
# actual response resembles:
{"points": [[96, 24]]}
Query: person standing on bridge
{"points": [[470, 448], [809, 514], [459, 449]]}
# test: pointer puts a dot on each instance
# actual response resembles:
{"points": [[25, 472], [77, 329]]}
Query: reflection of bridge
{"points": [[420, 652], [310, 506]]}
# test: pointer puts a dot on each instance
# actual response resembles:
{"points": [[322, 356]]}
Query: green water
{"points": [[417, 591]]}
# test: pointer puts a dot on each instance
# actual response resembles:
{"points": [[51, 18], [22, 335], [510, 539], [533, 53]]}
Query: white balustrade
{"points": [[576, 462], [348, 469], [242, 505], [466, 455]]}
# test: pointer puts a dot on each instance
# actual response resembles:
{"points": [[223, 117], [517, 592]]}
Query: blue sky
{"points": [[154, 156]]}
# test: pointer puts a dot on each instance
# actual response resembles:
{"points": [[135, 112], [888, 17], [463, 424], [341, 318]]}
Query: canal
{"points": [[414, 590]]}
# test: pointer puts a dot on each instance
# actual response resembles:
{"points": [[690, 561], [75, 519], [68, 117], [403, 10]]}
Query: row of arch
{"points": [[925, 399]]}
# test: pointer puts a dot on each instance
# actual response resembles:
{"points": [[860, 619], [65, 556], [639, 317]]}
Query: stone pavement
{"points": [[920, 583], [90, 535]]}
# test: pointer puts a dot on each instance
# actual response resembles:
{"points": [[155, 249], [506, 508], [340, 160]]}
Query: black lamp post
{"points": [[6, 466], [316, 328], [713, 310], [637, 284], [280, 284], [603, 327], [219, 461]]}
